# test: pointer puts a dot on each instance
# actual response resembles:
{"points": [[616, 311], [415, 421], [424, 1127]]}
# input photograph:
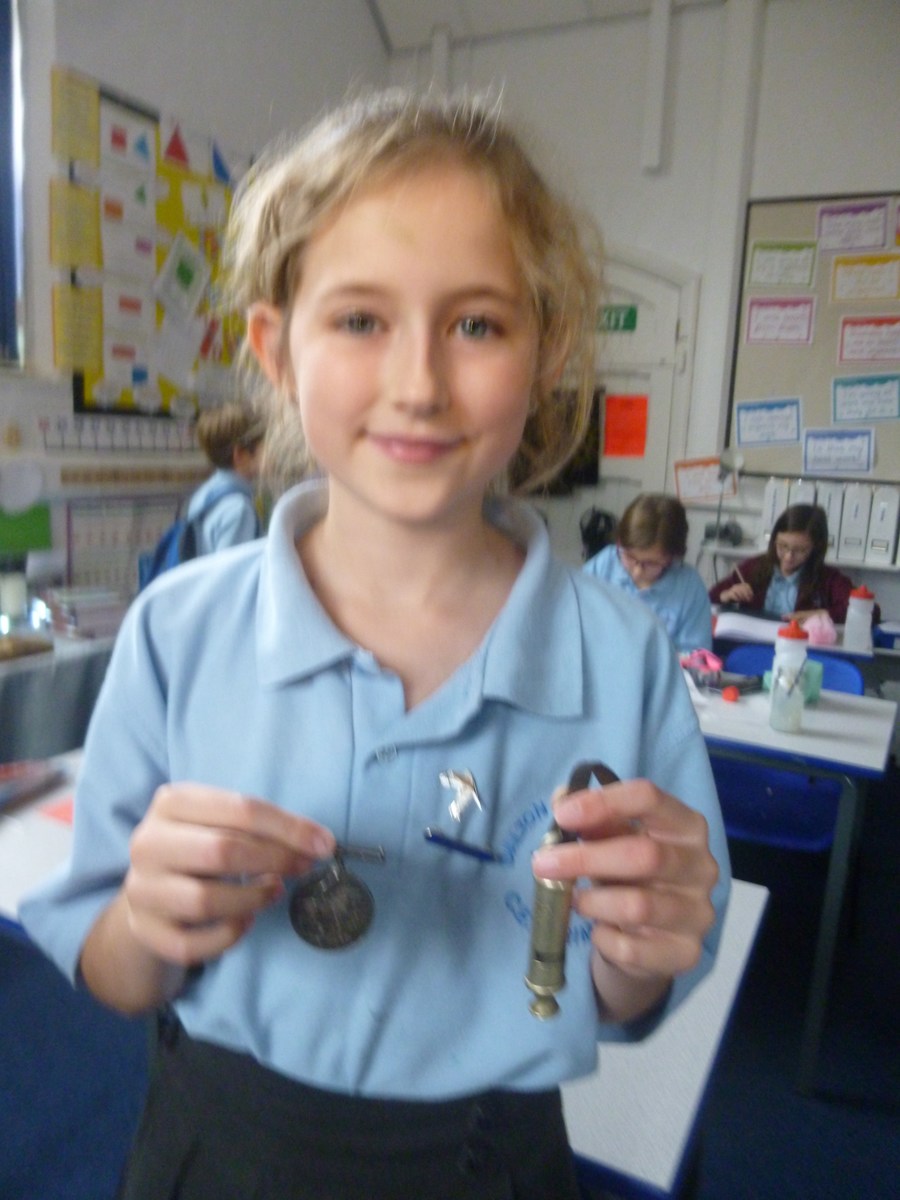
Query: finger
{"points": [[187, 900], [632, 909], [186, 945], [637, 858], [173, 846], [198, 804], [646, 953], [631, 805]]}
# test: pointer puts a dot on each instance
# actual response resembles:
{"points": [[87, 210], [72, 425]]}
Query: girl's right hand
{"points": [[204, 862], [738, 593]]}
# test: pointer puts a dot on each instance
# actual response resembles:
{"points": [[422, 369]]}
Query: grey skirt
{"points": [[219, 1126]]}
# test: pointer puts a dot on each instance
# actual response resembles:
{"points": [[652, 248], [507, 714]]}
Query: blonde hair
{"points": [[294, 188], [220, 431]]}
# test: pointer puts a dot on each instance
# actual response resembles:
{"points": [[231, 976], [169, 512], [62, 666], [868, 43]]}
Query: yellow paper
{"points": [[74, 225], [75, 117], [77, 328]]}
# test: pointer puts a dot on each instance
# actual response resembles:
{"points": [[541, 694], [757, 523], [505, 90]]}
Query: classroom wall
{"points": [[241, 72], [763, 97]]}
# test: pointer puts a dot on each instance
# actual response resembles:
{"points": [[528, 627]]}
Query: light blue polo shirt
{"points": [[228, 672], [679, 598], [781, 596], [232, 519]]}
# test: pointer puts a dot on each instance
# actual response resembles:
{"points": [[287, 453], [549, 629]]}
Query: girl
{"points": [[791, 578], [231, 438], [403, 668], [647, 562]]}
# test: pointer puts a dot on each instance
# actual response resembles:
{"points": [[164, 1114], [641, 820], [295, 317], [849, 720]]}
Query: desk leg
{"points": [[843, 854]]}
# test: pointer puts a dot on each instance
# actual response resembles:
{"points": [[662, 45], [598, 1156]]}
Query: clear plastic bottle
{"points": [[786, 702], [858, 627]]}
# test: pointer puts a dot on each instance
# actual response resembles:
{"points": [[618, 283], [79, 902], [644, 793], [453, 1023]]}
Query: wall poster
{"points": [[138, 210], [815, 385]]}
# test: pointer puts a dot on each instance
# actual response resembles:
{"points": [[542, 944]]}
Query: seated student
{"points": [[646, 561], [231, 437], [791, 578]]}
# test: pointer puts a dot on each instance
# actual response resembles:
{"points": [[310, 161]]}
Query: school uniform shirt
{"points": [[678, 597], [263, 694], [232, 519]]}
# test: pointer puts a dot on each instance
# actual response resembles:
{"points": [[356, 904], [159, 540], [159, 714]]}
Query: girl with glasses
{"points": [[792, 578], [647, 562]]}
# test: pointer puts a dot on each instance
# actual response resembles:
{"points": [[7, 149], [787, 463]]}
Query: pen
{"points": [[737, 571], [483, 853]]}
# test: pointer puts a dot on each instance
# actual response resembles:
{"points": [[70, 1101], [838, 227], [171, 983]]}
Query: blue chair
{"points": [[771, 806], [838, 674]]}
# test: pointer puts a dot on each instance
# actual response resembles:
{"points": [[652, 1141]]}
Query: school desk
{"points": [[46, 699], [843, 737], [634, 1123]]}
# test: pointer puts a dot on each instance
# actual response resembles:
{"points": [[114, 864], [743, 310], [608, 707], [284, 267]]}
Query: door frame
{"points": [[687, 283]]}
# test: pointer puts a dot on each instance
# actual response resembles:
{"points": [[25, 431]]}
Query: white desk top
{"points": [[35, 838], [635, 1115], [839, 731]]}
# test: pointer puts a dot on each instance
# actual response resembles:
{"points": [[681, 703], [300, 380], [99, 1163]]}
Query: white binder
{"points": [[830, 498], [775, 501], [855, 522], [802, 491], [882, 539]]}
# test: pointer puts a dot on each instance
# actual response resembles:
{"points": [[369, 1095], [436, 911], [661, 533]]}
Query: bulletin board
{"points": [[137, 211], [815, 384]]}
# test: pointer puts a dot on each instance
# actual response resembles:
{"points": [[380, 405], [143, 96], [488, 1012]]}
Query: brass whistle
{"points": [[550, 912]]}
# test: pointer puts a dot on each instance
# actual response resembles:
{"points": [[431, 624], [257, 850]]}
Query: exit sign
{"points": [[618, 318]]}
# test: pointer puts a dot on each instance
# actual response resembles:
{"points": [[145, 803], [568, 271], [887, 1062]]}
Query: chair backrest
{"points": [[752, 658], [838, 674]]}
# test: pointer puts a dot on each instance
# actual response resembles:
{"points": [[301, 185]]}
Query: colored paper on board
{"points": [[62, 809], [24, 531], [625, 426]]}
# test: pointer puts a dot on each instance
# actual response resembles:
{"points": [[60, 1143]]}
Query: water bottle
{"points": [[786, 701], [858, 627]]}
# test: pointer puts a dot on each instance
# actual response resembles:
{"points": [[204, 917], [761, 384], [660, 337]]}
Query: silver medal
{"points": [[330, 907]]}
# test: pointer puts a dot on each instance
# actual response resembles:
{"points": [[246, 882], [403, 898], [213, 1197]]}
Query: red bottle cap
{"points": [[793, 630], [862, 593]]}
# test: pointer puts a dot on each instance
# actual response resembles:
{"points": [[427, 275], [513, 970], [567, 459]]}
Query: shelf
{"points": [[749, 549]]}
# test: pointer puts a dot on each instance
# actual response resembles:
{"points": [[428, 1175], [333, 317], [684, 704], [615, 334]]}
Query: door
{"points": [[644, 354]]}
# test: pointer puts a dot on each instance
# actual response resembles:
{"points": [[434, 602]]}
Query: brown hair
{"points": [[798, 518], [295, 187], [221, 430], [653, 519]]}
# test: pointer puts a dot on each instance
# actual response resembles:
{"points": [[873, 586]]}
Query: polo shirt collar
{"points": [[531, 657]]}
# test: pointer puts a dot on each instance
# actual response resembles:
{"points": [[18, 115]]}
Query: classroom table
{"points": [[634, 1123], [46, 699], [843, 737]]}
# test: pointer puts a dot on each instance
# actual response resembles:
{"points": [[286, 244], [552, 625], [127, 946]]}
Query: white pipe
{"points": [[655, 95]]}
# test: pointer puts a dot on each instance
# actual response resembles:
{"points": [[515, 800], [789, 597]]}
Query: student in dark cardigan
{"points": [[791, 579]]}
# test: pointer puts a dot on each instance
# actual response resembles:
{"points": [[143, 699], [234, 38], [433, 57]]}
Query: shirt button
{"points": [[386, 754]]}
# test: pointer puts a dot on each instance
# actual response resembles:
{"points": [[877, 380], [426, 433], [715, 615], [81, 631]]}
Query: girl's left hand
{"points": [[651, 876]]}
